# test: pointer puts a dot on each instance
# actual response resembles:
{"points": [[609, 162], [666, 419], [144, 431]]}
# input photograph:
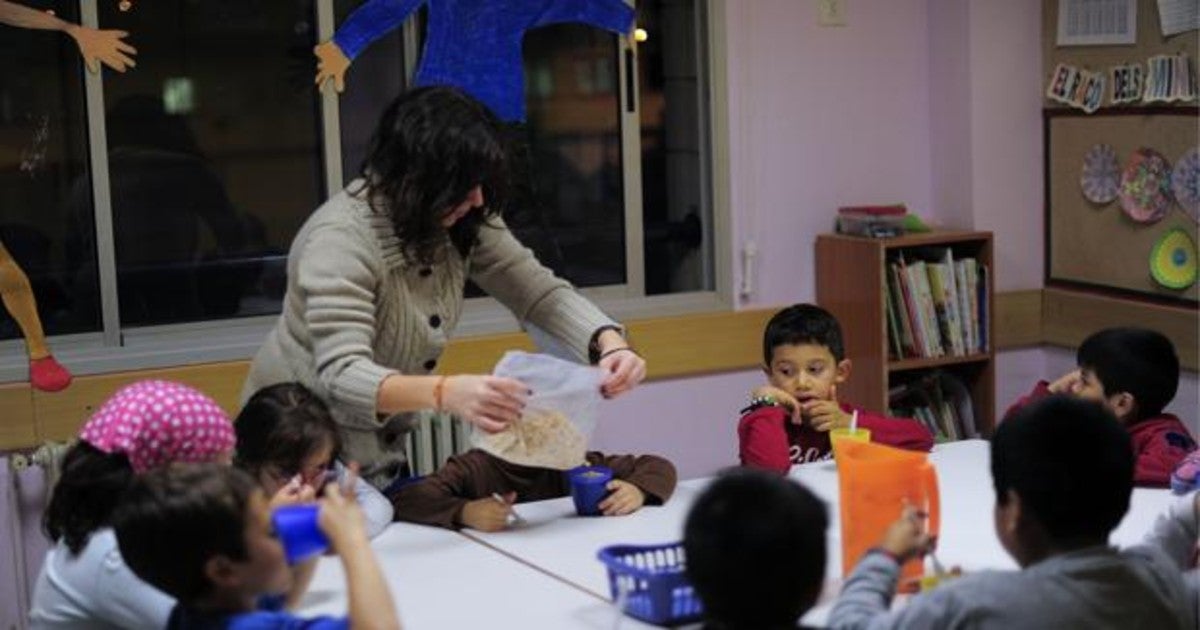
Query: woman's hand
{"points": [[489, 402], [331, 65], [623, 367]]}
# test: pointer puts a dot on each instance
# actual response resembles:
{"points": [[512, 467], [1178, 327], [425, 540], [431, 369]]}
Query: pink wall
{"points": [[935, 103]]}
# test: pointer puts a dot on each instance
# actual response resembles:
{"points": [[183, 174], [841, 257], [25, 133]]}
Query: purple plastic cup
{"points": [[589, 487], [296, 526]]}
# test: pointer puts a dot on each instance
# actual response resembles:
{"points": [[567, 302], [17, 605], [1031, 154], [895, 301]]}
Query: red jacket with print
{"points": [[1159, 443], [768, 439]]}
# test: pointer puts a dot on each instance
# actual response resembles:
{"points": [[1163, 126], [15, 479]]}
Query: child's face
{"points": [[314, 471], [1089, 387], [807, 371], [265, 569]]}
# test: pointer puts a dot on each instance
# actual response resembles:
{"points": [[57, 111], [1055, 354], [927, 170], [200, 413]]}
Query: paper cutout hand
{"points": [[103, 47], [331, 64]]}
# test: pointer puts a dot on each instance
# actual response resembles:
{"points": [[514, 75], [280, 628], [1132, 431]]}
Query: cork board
{"points": [[1150, 42], [1097, 245]]}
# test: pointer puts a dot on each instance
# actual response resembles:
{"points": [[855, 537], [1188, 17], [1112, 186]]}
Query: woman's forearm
{"points": [[404, 392]]}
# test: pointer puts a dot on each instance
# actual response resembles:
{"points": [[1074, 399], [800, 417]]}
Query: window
{"points": [[210, 154]]}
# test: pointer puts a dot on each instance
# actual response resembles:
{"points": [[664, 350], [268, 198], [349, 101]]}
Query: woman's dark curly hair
{"points": [[431, 147], [91, 484]]}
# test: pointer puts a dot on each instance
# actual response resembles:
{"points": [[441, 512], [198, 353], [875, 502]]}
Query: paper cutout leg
{"points": [[45, 373]]}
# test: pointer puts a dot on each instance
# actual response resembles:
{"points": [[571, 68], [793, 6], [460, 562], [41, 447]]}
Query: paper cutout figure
{"points": [[1185, 183], [474, 45], [1101, 174], [1173, 260], [97, 47], [1146, 186], [1126, 83]]}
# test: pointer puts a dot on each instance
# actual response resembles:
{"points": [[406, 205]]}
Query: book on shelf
{"points": [[939, 304], [938, 400]]}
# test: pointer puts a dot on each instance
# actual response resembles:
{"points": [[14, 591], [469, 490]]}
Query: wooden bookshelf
{"points": [[852, 274]]}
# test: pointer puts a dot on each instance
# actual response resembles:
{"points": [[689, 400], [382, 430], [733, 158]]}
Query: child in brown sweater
{"points": [[462, 493]]}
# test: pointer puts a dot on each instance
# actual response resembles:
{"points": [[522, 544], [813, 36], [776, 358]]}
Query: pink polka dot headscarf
{"points": [[160, 422]]}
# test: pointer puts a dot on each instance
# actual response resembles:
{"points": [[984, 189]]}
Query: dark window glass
{"points": [[43, 165], [214, 155]]}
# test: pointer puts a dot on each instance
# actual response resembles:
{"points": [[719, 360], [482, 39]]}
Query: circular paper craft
{"points": [[1173, 260], [1146, 186], [1185, 183], [1101, 174]]}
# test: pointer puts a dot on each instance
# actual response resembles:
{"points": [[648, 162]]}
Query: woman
{"points": [[376, 278]]}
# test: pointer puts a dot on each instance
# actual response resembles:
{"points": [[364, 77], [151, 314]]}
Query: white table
{"points": [[441, 579], [544, 574]]}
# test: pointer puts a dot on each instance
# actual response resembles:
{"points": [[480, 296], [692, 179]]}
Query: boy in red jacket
{"points": [[788, 420], [1134, 372]]}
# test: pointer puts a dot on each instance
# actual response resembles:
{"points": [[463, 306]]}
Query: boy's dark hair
{"points": [[1139, 361], [803, 323], [1071, 463], [89, 489], [174, 519], [431, 147], [281, 425], [755, 549]]}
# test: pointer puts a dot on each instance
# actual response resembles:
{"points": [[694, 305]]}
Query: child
{"points": [[466, 490], [1134, 372], [83, 581], [788, 421], [231, 569], [1063, 473], [287, 440], [755, 548]]}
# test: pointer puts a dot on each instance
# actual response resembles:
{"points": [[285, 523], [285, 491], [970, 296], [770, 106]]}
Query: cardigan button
{"points": [[430, 364], [425, 272], [435, 321]]}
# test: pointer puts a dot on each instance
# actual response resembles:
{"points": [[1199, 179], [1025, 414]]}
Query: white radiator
{"points": [[434, 439], [25, 482]]}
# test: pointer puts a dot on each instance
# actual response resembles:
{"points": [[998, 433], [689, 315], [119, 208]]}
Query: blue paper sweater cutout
{"points": [[475, 45]]}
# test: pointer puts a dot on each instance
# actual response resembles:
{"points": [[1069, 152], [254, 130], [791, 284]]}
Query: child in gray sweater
{"points": [[1063, 473]]}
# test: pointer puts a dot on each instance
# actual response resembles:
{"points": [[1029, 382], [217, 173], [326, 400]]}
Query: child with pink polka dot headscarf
{"points": [[143, 426]]}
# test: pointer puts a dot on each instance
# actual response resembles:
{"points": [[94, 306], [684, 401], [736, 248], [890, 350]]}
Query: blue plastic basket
{"points": [[653, 582]]}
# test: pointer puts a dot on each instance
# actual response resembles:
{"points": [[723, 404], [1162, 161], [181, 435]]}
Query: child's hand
{"points": [[293, 492], [825, 415], [785, 399], [341, 519], [623, 498], [1066, 383], [906, 537], [488, 514]]}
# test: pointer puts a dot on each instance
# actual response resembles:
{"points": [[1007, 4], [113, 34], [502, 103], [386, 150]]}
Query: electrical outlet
{"points": [[831, 12]]}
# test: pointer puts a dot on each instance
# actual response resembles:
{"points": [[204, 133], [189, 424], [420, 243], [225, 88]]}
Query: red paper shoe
{"points": [[48, 375]]}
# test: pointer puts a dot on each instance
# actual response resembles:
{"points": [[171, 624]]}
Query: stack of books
{"points": [[936, 305], [873, 221], [940, 401]]}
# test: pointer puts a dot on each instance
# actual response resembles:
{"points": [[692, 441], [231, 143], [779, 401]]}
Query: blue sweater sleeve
{"points": [[613, 15], [369, 22]]}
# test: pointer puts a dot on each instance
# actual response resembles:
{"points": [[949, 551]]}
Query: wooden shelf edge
{"points": [[922, 363]]}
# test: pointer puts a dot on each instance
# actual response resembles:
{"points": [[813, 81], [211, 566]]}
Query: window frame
{"points": [[116, 349]]}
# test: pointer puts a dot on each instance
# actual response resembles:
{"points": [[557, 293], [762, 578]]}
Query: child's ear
{"points": [[1122, 405], [1011, 513], [766, 370], [221, 572], [843, 371]]}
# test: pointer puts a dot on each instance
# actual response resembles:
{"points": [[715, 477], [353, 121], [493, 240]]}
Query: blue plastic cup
{"points": [[589, 487], [296, 526]]}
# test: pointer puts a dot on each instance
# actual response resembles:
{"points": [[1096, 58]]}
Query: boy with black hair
{"points": [[1055, 508], [1134, 372], [789, 419], [755, 548], [203, 534]]}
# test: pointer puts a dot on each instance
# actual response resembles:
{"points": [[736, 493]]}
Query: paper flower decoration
{"points": [[1185, 183], [1146, 186], [1173, 260], [1101, 174]]}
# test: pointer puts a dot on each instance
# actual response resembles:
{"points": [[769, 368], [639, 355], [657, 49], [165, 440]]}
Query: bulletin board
{"points": [[1097, 245]]}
